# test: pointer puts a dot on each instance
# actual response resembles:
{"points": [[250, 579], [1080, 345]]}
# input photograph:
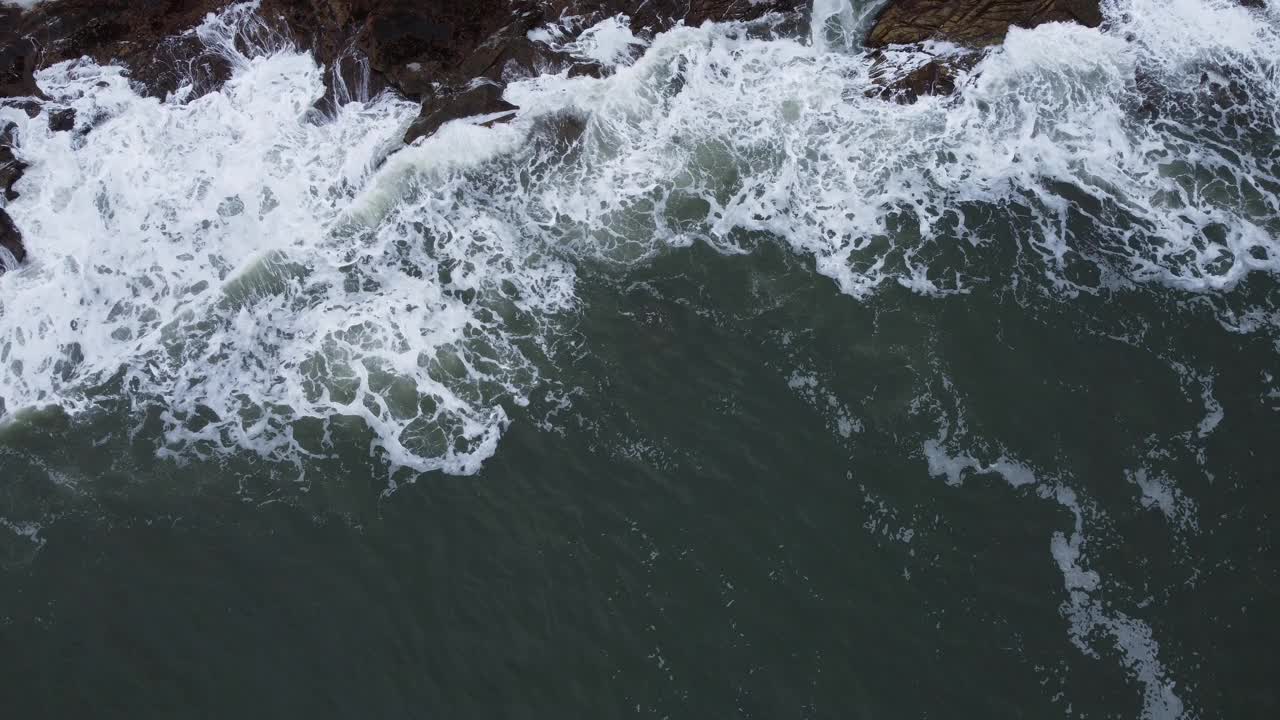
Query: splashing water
{"points": [[259, 270], [196, 255], [838, 25], [261, 275]]}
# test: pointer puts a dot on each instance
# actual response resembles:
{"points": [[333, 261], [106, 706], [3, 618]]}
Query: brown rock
{"points": [[973, 22]]}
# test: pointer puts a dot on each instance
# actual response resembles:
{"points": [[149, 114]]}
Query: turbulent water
{"points": [[1054, 290]]}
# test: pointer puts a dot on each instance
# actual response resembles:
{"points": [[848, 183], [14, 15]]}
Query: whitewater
{"points": [[249, 263]]}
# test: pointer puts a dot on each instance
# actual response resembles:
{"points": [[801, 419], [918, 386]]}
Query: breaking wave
{"points": [[263, 272]]}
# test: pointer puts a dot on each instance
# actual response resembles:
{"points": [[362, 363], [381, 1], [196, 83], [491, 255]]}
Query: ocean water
{"points": [[710, 388]]}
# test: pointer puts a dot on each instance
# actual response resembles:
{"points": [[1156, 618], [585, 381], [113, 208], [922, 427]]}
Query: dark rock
{"points": [[973, 22], [11, 168], [586, 69], [11, 239], [18, 57], [482, 99], [62, 120], [145, 35]]}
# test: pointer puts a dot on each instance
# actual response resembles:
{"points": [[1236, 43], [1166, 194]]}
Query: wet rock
{"points": [[973, 22], [480, 100], [969, 23], [18, 57], [62, 120], [145, 35], [11, 168], [906, 83], [10, 239]]}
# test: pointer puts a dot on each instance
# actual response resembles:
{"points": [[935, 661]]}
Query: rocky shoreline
{"points": [[452, 57], [969, 24]]}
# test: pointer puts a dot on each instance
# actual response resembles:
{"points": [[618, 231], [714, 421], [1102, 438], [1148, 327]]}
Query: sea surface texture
{"points": [[714, 387]]}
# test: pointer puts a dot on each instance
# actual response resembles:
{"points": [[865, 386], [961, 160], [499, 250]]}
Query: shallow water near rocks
{"points": [[755, 397]]}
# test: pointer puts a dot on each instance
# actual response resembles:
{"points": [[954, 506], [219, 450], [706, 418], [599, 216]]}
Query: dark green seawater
{"points": [[694, 536]]}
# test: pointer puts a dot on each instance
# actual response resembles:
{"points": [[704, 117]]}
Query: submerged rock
{"points": [[906, 82], [968, 23]]}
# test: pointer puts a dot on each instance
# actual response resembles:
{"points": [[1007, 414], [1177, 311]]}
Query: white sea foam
{"points": [[201, 256], [1160, 493], [610, 42], [716, 135], [953, 467], [249, 265], [1086, 612]]}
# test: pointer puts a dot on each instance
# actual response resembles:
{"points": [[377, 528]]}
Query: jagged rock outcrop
{"points": [[973, 22], [970, 23]]}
